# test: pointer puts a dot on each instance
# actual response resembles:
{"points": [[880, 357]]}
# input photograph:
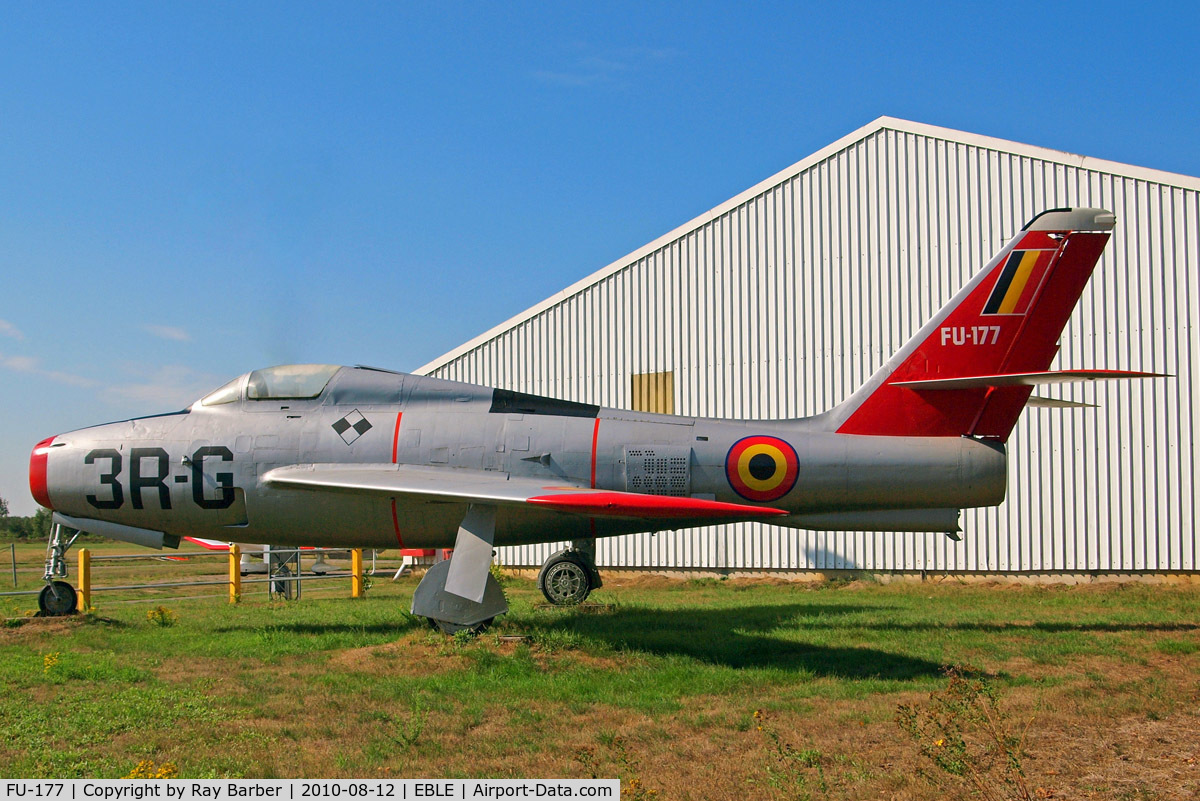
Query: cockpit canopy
{"points": [[283, 382]]}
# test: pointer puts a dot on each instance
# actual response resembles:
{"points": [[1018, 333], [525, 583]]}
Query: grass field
{"points": [[682, 689]]}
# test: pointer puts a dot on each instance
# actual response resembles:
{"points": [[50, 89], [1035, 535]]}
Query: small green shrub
{"points": [[162, 616]]}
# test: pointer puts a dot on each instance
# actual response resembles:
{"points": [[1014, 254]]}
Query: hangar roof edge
{"points": [[879, 124]]}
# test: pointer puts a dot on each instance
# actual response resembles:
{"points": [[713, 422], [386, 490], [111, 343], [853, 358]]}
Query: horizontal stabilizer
{"points": [[1023, 379], [1058, 403]]}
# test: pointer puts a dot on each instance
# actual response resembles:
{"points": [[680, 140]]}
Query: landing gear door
{"points": [[659, 470]]}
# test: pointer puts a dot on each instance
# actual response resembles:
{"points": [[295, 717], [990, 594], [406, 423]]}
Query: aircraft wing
{"points": [[452, 485]]}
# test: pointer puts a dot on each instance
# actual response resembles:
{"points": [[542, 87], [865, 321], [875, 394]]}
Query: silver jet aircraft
{"points": [[336, 456]]}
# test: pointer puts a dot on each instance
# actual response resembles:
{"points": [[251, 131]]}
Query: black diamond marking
{"points": [[351, 431]]}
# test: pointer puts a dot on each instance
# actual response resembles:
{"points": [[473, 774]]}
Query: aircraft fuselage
{"points": [[204, 472]]}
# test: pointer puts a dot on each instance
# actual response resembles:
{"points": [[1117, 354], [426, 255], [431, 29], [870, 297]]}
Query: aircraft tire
{"points": [[565, 580], [56, 599]]}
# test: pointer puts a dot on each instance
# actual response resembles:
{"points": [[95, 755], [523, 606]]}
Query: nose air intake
{"points": [[37, 472]]}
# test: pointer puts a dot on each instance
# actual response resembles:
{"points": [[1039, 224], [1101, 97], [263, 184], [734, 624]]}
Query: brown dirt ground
{"points": [[1082, 742]]}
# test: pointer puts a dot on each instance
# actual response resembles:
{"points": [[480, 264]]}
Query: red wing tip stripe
{"points": [[619, 504], [209, 544]]}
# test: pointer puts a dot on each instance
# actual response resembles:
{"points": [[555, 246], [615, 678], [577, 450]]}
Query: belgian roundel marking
{"points": [[761, 468]]}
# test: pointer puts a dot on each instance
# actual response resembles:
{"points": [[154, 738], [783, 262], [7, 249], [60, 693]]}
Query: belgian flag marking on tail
{"points": [[1019, 281]]}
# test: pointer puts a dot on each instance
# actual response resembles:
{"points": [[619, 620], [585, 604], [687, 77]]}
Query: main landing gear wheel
{"points": [[566, 579], [56, 599]]}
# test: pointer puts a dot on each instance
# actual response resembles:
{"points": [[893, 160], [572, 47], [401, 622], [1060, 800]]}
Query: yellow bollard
{"points": [[356, 567], [85, 580], [235, 573]]}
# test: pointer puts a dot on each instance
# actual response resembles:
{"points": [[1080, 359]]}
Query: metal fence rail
{"points": [[283, 581]]}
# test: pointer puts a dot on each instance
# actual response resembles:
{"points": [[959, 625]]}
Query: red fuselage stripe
{"points": [[396, 437], [595, 437], [395, 453], [396, 525]]}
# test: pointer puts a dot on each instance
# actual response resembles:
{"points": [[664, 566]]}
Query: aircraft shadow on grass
{"points": [[745, 637]]}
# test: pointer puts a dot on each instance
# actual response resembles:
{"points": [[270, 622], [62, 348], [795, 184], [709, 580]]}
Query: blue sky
{"points": [[190, 191]]}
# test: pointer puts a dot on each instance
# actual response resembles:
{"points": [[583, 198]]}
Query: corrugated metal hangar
{"points": [[781, 301]]}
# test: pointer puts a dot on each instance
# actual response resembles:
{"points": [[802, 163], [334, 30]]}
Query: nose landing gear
{"points": [[58, 598]]}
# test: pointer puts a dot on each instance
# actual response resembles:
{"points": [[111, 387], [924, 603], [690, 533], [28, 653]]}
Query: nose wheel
{"points": [[58, 598]]}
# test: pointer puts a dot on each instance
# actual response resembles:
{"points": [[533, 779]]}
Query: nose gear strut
{"points": [[58, 597]]}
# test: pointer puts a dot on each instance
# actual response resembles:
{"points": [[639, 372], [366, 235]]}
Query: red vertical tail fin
{"points": [[1006, 320]]}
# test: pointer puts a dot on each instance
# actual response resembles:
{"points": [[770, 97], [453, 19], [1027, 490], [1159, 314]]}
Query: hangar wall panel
{"points": [[782, 301]]}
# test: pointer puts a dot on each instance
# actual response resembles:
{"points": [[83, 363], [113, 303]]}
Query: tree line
{"points": [[36, 527]]}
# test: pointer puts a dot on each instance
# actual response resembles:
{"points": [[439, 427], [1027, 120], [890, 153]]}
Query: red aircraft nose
{"points": [[37, 472]]}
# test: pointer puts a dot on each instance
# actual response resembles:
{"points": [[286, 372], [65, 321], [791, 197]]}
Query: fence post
{"points": [[85, 580], [356, 567], [235, 573]]}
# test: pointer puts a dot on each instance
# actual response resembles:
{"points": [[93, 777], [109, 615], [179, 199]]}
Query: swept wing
{"points": [[493, 488]]}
